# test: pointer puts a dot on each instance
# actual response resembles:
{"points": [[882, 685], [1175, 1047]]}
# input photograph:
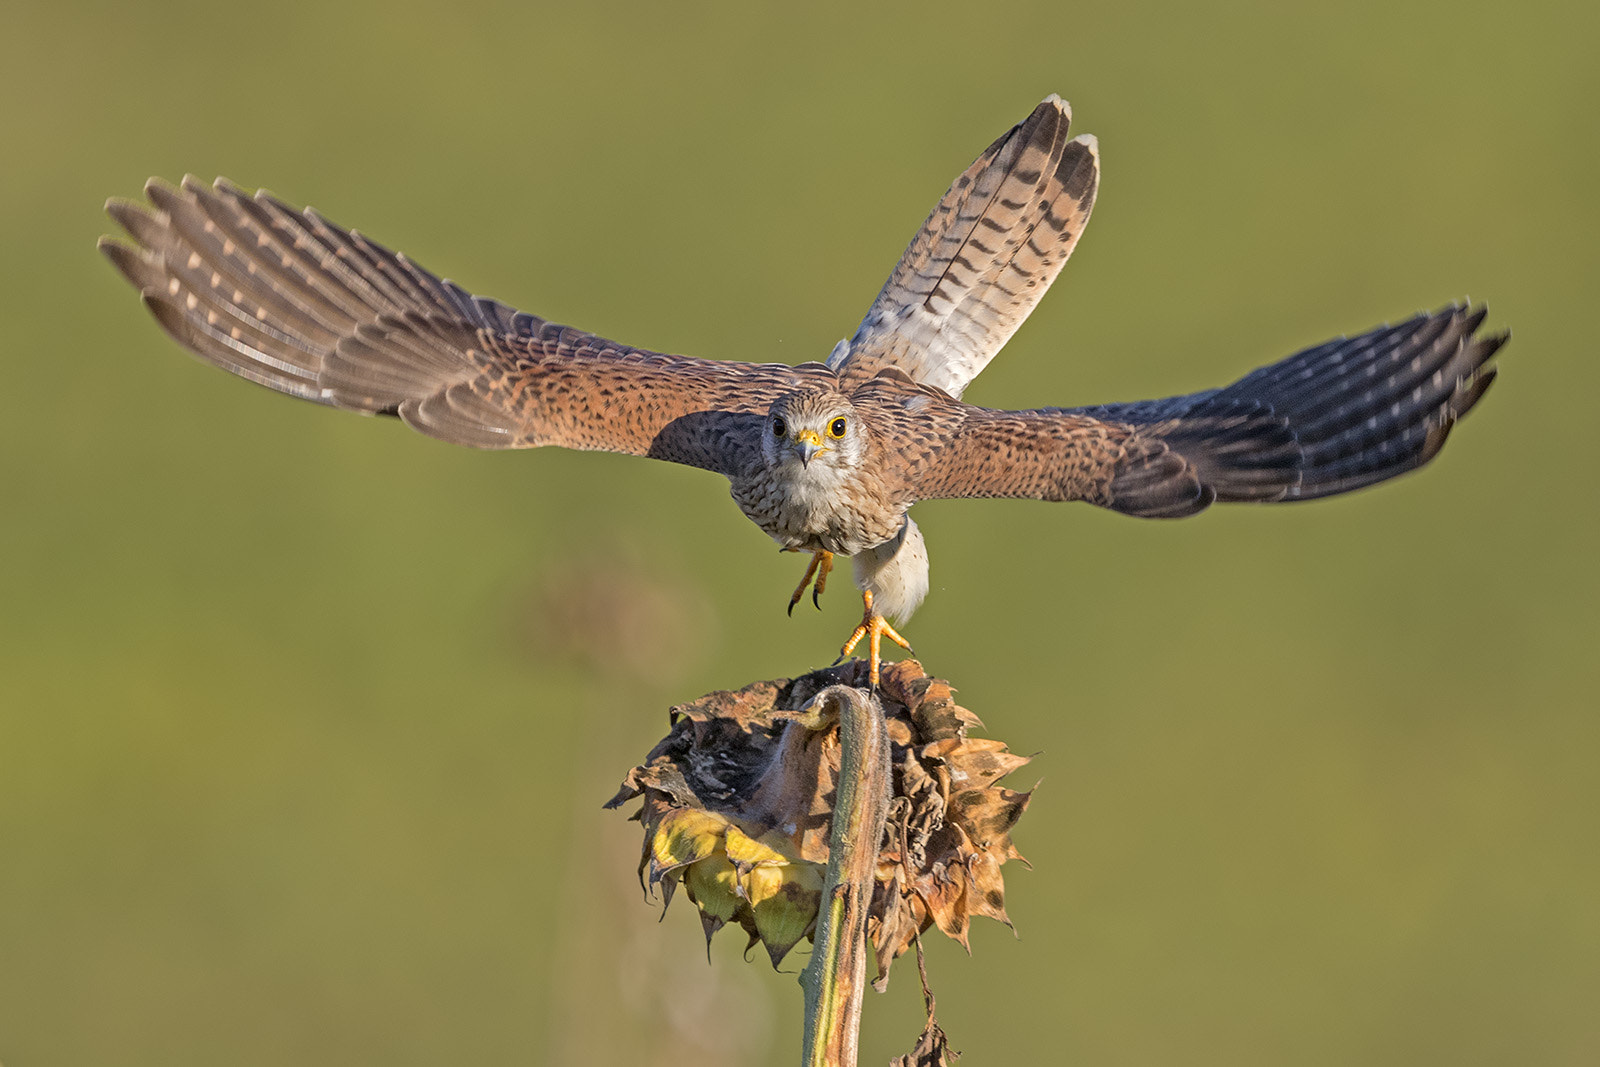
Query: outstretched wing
{"points": [[287, 299], [1327, 420], [983, 258]]}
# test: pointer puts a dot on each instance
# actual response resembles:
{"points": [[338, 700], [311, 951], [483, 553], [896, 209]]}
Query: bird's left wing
{"points": [[289, 300], [983, 258], [1330, 419]]}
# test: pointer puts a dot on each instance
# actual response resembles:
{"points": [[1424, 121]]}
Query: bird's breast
{"points": [[816, 508]]}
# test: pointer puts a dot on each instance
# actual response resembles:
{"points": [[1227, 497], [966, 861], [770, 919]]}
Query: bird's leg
{"points": [[821, 563], [874, 628], [823, 570]]}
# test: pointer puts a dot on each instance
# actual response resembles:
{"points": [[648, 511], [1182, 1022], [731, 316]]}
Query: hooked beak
{"points": [[810, 443]]}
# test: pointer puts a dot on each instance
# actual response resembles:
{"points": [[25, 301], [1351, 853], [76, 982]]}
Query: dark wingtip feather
{"points": [[1079, 169], [1454, 353], [143, 226], [159, 186], [165, 197], [1474, 391], [1050, 108], [130, 262], [169, 316]]}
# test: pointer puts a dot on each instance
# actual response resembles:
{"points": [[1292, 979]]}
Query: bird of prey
{"points": [[825, 457]]}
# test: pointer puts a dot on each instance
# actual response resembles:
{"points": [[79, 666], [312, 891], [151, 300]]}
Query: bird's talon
{"points": [[874, 628], [821, 563]]}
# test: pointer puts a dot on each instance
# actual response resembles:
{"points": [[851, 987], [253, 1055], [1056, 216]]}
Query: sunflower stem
{"points": [[835, 979]]}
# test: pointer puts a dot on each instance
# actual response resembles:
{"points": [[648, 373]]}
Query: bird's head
{"points": [[814, 429]]}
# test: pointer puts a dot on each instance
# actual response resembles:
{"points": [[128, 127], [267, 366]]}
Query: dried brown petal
{"points": [[988, 815], [974, 762]]}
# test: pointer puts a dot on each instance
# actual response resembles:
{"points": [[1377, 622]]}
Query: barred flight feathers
{"points": [[1331, 419], [287, 299], [984, 257]]}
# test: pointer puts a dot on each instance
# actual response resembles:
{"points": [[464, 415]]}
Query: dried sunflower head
{"points": [[738, 802]]}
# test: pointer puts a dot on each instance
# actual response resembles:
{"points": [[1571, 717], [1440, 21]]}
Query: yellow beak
{"points": [[810, 443]]}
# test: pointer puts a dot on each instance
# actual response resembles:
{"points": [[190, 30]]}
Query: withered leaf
{"points": [[931, 1050]]}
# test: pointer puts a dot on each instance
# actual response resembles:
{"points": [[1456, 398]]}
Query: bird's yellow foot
{"points": [[821, 563], [874, 628]]}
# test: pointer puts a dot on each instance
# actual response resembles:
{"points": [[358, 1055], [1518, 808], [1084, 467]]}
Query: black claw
{"points": [[791, 609], [816, 598]]}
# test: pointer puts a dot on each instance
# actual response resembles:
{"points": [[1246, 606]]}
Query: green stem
{"points": [[835, 979]]}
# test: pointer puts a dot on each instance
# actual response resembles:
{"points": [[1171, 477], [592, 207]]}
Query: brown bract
{"points": [[738, 802]]}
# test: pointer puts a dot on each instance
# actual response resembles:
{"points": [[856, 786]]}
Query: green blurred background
{"points": [[307, 719]]}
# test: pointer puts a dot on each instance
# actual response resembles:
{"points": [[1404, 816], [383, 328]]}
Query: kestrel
{"points": [[825, 457]]}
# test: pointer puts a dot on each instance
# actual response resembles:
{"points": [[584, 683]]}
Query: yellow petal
{"points": [[713, 885], [685, 836]]}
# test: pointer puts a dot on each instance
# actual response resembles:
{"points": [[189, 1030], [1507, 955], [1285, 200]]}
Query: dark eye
{"points": [[778, 428], [836, 428]]}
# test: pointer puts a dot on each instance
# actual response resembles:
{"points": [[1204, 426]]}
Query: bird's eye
{"points": [[836, 428], [778, 428]]}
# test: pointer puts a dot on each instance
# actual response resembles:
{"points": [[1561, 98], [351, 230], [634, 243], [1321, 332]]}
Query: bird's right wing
{"points": [[983, 258], [287, 299]]}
